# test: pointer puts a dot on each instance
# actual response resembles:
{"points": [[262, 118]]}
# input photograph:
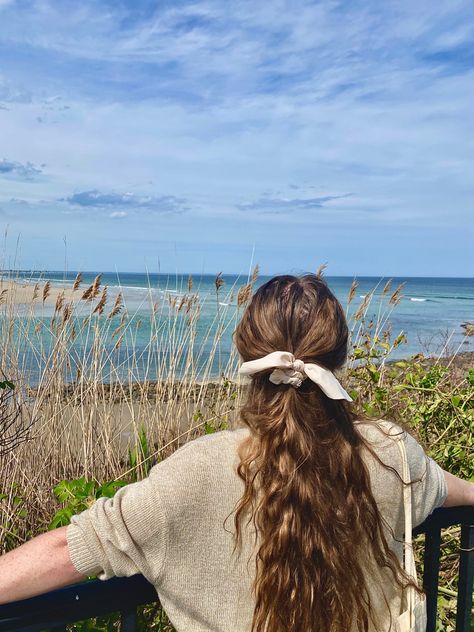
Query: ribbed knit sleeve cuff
{"points": [[442, 486], [80, 554]]}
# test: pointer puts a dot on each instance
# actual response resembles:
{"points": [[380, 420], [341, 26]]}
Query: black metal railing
{"points": [[55, 609], [441, 519]]}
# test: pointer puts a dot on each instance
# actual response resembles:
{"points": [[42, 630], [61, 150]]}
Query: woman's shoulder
{"points": [[429, 484], [382, 435], [379, 432], [209, 447], [216, 439], [200, 467]]}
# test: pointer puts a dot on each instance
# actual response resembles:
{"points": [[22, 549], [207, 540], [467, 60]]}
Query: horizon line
{"points": [[211, 274]]}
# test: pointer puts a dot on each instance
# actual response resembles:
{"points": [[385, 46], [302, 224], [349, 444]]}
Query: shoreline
{"points": [[120, 392]]}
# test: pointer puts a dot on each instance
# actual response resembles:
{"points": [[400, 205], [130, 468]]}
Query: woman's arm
{"points": [[40, 565], [459, 492]]}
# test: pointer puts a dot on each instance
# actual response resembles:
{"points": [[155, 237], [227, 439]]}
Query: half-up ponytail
{"points": [[307, 489]]}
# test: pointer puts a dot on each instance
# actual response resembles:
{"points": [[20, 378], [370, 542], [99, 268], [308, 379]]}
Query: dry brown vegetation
{"points": [[95, 392]]}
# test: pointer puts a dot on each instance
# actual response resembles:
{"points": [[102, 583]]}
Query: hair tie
{"points": [[288, 370]]}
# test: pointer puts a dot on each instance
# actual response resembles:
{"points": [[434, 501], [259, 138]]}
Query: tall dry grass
{"points": [[90, 388]]}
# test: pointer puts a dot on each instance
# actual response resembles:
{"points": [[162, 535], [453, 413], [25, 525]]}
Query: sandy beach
{"points": [[23, 293], [123, 405]]}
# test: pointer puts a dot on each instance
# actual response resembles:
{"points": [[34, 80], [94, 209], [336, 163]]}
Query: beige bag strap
{"points": [[408, 556]]}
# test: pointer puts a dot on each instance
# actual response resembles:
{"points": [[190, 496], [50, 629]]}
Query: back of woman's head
{"points": [[307, 489], [300, 315]]}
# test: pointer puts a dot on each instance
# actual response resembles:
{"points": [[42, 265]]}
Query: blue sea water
{"points": [[429, 314]]}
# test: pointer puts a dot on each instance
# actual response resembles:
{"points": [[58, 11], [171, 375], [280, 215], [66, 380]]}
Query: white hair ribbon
{"points": [[288, 370]]}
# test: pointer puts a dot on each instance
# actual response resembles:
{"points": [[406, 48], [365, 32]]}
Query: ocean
{"points": [[429, 314]]}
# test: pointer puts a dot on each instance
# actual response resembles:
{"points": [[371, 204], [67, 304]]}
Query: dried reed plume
{"points": [[67, 312], [192, 300], [386, 288], [190, 283], [3, 296], [87, 295], [387, 334], [99, 308], [118, 305], [352, 291], [96, 286], [77, 281], [59, 303], [93, 290], [35, 292], [320, 270], [46, 290], [117, 330], [396, 296], [244, 294], [360, 313], [219, 281], [255, 273]]}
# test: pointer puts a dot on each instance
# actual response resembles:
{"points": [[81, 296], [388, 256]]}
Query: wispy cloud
{"points": [[112, 200], [281, 206], [21, 171], [11, 93]]}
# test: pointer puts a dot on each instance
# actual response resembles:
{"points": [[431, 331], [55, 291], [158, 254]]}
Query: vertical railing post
{"points": [[466, 579], [129, 621], [431, 576]]}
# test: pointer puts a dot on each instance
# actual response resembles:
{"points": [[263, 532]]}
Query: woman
{"points": [[291, 523]]}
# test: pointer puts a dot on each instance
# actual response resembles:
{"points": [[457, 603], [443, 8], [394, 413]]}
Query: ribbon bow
{"points": [[288, 370]]}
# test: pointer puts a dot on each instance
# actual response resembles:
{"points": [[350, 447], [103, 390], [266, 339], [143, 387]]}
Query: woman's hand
{"points": [[40, 565]]}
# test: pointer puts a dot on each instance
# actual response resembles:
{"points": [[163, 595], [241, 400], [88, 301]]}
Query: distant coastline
{"points": [[69, 275]]}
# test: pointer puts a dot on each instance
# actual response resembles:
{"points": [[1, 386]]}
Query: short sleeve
{"points": [[121, 536], [429, 488]]}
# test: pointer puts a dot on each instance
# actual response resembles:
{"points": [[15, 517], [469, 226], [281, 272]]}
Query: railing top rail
{"points": [[445, 517], [80, 601]]}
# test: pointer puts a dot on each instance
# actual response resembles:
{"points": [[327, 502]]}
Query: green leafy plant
{"points": [[78, 495], [139, 456]]}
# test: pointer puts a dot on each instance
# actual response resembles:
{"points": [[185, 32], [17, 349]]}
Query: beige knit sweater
{"points": [[170, 528]]}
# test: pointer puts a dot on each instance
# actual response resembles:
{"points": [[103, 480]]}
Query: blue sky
{"points": [[201, 136]]}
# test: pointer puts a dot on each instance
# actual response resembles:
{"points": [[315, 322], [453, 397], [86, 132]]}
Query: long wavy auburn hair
{"points": [[307, 489]]}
